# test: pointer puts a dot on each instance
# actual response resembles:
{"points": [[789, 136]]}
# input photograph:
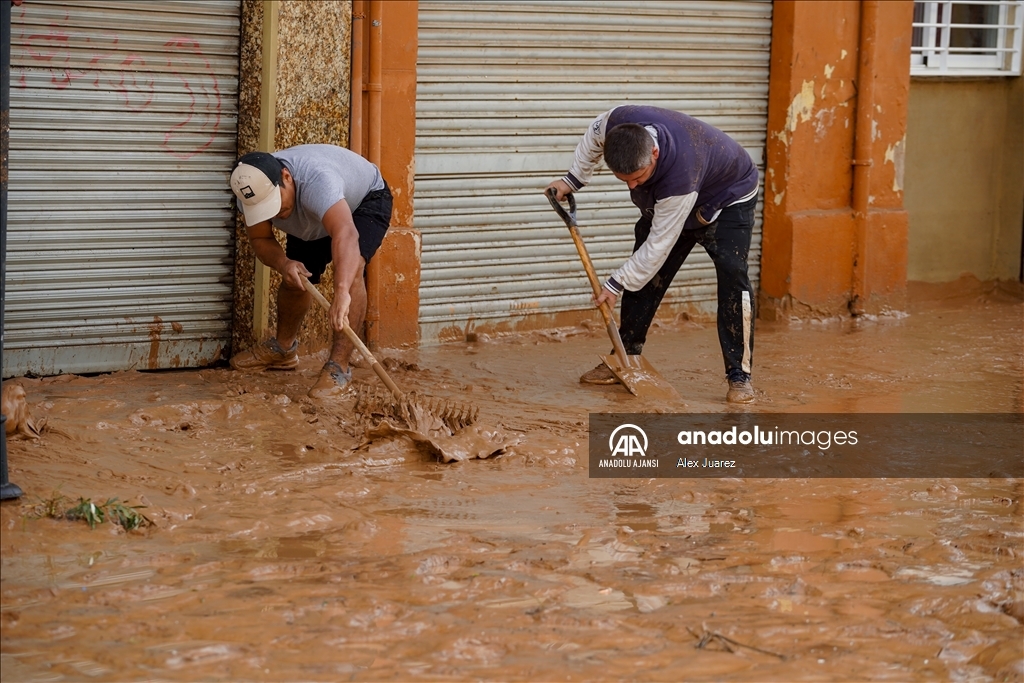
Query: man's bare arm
{"points": [[348, 264], [268, 250]]}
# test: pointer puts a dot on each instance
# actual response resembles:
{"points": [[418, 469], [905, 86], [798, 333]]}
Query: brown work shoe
{"points": [[599, 375], [740, 391], [333, 381], [269, 354]]}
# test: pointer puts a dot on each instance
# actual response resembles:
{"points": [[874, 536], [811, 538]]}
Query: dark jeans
{"points": [[727, 242]]}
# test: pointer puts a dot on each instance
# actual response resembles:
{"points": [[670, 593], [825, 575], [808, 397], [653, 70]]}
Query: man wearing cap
{"points": [[335, 208], [693, 185]]}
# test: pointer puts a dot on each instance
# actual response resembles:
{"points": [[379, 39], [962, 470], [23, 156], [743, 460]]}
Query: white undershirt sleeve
{"points": [[589, 153], [669, 216]]}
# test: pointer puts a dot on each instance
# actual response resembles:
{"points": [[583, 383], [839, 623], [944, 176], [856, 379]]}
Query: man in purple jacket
{"points": [[693, 185]]}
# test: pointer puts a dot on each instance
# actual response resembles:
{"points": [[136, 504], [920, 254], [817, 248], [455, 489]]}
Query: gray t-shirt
{"points": [[324, 175]]}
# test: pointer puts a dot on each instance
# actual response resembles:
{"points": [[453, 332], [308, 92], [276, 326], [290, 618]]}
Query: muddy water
{"points": [[279, 553]]}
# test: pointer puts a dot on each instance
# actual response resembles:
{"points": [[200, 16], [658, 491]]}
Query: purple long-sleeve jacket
{"points": [[699, 171]]}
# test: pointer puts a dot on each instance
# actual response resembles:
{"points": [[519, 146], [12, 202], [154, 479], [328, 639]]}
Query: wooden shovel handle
{"points": [[606, 312], [354, 338]]}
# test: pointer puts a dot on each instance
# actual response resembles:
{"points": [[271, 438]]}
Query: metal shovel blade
{"points": [[641, 378]]}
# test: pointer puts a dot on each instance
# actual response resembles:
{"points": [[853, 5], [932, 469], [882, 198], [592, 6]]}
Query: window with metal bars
{"points": [[972, 38]]}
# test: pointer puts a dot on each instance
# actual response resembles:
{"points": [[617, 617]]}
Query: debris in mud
{"points": [[434, 436], [706, 638], [15, 407], [1015, 608], [394, 364], [127, 517], [436, 427], [472, 442], [309, 411], [1003, 659]]}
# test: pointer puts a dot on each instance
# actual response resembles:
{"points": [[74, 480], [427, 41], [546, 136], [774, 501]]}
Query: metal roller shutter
{"points": [[120, 240], [504, 93]]}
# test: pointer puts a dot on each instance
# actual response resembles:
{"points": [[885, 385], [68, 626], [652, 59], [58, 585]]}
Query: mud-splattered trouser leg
{"points": [[727, 242]]}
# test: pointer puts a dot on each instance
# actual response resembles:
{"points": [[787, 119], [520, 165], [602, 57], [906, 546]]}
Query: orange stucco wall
{"points": [[399, 275], [810, 241]]}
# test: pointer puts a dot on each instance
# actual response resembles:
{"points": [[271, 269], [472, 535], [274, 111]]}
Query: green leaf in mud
{"points": [[87, 510], [126, 516]]}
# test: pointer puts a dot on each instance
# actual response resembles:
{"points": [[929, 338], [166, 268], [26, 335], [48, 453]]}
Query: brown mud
{"points": [[286, 548]]}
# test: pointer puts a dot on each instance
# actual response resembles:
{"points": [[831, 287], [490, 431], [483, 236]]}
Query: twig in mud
{"points": [[514, 427], [707, 637]]}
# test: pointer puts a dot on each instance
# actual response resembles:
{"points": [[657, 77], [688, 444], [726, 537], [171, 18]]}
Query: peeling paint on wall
{"points": [[825, 118], [895, 154], [777, 195], [801, 107], [828, 75], [410, 172]]}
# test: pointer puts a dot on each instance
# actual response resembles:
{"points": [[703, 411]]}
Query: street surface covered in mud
{"points": [[284, 547]]}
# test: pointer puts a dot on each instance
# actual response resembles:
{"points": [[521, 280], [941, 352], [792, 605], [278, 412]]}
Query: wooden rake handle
{"points": [[606, 311], [354, 338]]}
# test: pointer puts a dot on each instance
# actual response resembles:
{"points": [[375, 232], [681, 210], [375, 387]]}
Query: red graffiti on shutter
{"points": [[69, 57]]}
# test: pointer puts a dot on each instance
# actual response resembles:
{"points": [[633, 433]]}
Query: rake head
{"points": [[418, 412]]}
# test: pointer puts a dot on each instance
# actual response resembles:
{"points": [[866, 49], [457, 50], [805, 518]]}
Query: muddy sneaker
{"points": [[333, 381], [599, 375], [269, 354], [740, 390]]}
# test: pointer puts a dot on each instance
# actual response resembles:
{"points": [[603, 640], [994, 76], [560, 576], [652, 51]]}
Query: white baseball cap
{"points": [[256, 182]]}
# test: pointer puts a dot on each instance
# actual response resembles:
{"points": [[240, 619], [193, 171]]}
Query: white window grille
{"points": [[970, 38]]}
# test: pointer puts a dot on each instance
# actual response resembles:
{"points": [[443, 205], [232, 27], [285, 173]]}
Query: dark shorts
{"points": [[372, 218]]}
